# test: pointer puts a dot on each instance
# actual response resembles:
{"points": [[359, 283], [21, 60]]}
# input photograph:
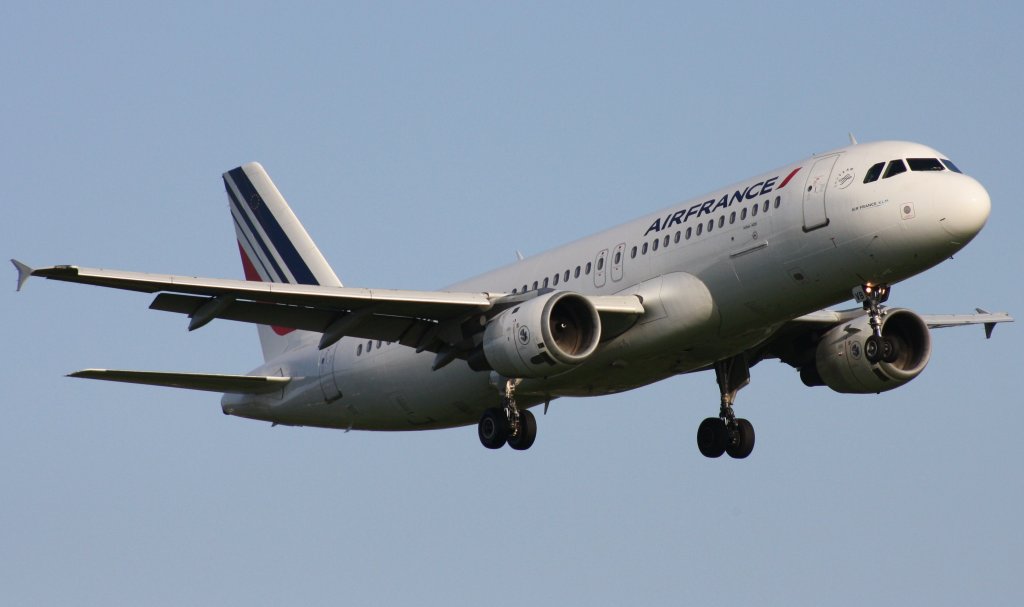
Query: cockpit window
{"points": [[874, 172], [949, 165], [924, 164], [895, 168]]}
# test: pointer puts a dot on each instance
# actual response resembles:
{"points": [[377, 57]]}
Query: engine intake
{"points": [[842, 365], [544, 336]]}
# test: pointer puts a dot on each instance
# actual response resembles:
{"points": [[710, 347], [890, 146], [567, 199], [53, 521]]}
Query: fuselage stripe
{"points": [[788, 177]]}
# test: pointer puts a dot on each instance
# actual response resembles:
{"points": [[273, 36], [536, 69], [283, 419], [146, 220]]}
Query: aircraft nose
{"points": [[968, 209]]}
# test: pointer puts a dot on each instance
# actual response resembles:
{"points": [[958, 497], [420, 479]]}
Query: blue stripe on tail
{"points": [[278, 239]]}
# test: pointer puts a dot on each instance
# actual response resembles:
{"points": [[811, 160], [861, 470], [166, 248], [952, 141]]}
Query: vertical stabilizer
{"points": [[274, 246]]}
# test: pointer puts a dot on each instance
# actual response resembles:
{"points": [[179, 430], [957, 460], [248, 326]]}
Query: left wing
{"points": [[425, 320]]}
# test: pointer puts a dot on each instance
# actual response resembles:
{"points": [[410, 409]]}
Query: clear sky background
{"points": [[421, 144]]}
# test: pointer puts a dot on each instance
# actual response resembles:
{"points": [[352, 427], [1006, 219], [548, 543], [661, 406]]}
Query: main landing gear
{"points": [[876, 347], [727, 433], [507, 424]]}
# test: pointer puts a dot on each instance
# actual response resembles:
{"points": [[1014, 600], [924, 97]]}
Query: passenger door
{"points": [[815, 215]]}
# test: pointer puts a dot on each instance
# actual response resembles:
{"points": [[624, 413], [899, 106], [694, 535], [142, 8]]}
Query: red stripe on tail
{"points": [[253, 275]]}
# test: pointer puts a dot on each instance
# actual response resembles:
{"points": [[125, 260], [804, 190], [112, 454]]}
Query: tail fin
{"points": [[274, 246]]}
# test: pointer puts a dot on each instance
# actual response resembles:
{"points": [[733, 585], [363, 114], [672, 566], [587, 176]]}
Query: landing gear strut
{"points": [[727, 433], [507, 424], [876, 347]]}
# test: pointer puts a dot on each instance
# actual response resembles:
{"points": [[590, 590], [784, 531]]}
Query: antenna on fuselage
{"points": [[853, 140]]}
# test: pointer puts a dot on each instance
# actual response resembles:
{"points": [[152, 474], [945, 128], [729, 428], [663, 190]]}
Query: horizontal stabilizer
{"points": [[212, 382]]}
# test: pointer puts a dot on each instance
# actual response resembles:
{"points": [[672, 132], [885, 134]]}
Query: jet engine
{"points": [[842, 364], [543, 336]]}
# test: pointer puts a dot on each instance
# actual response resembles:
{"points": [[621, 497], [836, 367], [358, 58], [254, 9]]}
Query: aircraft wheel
{"points": [[493, 428], [873, 348], [890, 350], [527, 432], [742, 442], [712, 437]]}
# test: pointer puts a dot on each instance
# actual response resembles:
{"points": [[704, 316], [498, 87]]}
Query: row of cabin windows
{"points": [[895, 167], [690, 231], [654, 244]]}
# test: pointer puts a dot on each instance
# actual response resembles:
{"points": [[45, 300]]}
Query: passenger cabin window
{"points": [[600, 264], [618, 257], [545, 282], [555, 280], [577, 273], [721, 221], [654, 245], [743, 214], [874, 172], [924, 164], [689, 232], [678, 236], [644, 249], [525, 289], [632, 253], [566, 277], [778, 201], [359, 350], [700, 229], [949, 165], [535, 285], [895, 168], [765, 209], [588, 269]]}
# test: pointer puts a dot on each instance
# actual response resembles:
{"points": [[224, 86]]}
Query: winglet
{"points": [[989, 326], [24, 272]]}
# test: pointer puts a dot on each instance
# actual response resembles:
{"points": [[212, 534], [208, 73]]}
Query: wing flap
{"points": [[211, 382]]}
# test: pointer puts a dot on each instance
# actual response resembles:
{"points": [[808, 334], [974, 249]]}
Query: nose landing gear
{"points": [[727, 433], [876, 347]]}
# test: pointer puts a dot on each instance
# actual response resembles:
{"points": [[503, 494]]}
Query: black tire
{"points": [[527, 432], [742, 442], [873, 348], [890, 350], [493, 428], [712, 437]]}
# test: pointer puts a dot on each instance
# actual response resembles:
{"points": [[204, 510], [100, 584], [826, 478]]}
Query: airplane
{"points": [[721, 282]]}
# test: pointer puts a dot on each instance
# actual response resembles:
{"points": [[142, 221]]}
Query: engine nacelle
{"points": [[544, 336], [842, 365]]}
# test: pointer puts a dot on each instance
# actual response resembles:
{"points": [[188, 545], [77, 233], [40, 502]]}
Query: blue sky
{"points": [[421, 144]]}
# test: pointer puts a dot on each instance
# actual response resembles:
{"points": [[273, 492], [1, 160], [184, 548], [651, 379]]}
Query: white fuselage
{"points": [[718, 275]]}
